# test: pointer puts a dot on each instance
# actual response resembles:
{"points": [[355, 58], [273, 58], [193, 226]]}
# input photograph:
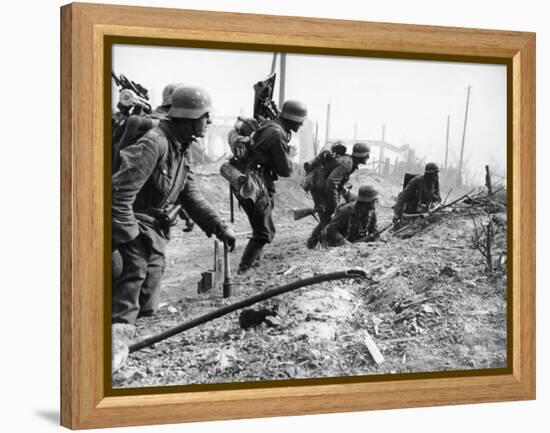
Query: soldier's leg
{"points": [[149, 297], [252, 253], [324, 219], [263, 231], [127, 287]]}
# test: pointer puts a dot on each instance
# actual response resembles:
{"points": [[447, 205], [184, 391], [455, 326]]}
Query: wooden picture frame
{"points": [[85, 402]]}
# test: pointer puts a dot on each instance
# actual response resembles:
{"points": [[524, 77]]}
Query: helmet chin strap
{"points": [[184, 130], [194, 123]]}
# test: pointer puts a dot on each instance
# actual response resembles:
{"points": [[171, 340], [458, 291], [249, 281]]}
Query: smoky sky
{"points": [[411, 98]]}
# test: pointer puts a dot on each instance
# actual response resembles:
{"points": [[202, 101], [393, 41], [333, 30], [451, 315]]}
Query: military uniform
{"points": [[154, 174], [418, 193], [328, 190], [351, 225], [268, 159], [259, 159]]}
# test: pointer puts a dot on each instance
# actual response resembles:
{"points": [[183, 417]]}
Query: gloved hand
{"points": [[227, 236]]}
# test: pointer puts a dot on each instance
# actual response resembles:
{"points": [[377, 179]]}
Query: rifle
{"points": [[307, 211], [264, 106], [379, 232], [304, 212], [436, 209]]}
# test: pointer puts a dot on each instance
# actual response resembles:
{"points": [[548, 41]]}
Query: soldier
{"points": [[138, 124], [419, 193], [328, 186], [153, 179], [355, 221], [268, 158], [162, 110]]}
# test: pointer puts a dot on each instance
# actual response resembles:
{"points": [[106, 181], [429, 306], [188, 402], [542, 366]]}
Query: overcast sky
{"points": [[412, 98]]}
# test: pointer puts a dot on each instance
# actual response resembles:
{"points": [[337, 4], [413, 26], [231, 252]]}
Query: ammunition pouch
{"points": [[161, 219]]}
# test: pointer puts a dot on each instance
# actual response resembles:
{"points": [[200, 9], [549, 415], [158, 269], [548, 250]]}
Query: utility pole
{"points": [[381, 157], [316, 140], [459, 179], [273, 63], [328, 123], [282, 80], [447, 142]]}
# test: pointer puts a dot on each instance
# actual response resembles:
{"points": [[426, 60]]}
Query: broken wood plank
{"points": [[373, 349]]}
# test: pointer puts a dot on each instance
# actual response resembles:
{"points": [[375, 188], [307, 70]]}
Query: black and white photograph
{"points": [[286, 216]]}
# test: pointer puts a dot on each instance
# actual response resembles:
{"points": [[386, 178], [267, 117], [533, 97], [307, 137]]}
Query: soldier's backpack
{"points": [[320, 167], [135, 128], [241, 137], [245, 183], [407, 178], [318, 170]]}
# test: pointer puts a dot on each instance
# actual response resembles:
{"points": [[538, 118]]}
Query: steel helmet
{"points": [[168, 91], [367, 194], [431, 167], [294, 110], [360, 150], [190, 102]]}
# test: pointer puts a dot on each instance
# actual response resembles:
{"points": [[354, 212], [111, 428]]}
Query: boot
{"points": [[312, 241], [252, 253]]}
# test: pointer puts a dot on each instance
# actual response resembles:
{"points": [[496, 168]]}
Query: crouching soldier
{"points": [[153, 181], [419, 193], [354, 222], [327, 185]]}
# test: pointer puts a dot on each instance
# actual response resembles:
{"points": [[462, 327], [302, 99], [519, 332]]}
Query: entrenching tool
{"points": [[352, 273], [227, 284], [212, 278]]}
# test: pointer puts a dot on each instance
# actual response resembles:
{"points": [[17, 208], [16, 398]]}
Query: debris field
{"points": [[429, 303]]}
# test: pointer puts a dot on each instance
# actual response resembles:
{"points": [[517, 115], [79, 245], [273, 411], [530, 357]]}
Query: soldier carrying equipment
{"points": [[327, 182], [137, 125], [261, 153], [154, 180]]}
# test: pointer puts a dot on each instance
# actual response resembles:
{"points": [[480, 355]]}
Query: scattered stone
{"points": [[427, 309]]}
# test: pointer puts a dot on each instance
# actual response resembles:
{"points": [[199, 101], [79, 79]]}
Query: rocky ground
{"points": [[428, 303]]}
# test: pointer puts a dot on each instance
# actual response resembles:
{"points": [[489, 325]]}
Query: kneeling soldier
{"points": [[354, 222], [329, 185], [419, 194]]}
